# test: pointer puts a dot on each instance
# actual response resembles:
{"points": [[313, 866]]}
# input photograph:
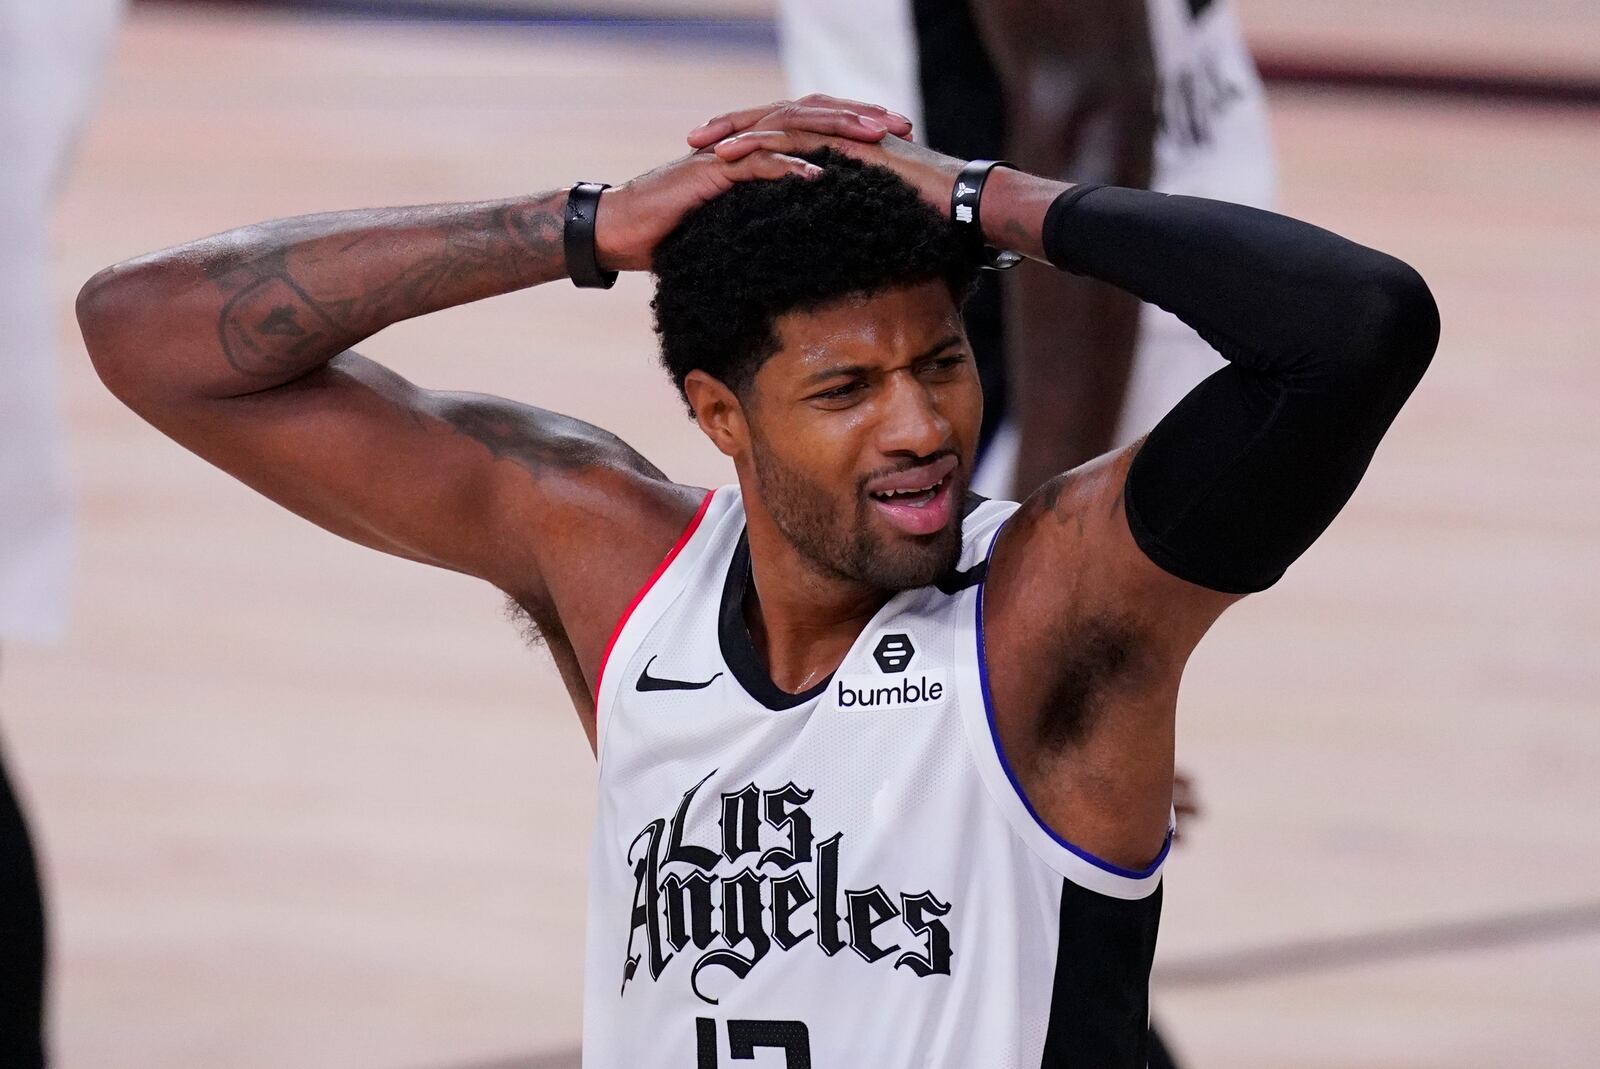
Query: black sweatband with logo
{"points": [[965, 200]]}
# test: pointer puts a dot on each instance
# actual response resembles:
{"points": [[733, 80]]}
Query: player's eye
{"points": [[945, 363], [842, 392]]}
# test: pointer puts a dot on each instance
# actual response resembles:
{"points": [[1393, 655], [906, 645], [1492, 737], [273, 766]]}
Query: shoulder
{"points": [[1054, 597], [1080, 619], [559, 471], [1063, 538], [582, 517], [1086, 640], [1068, 558], [542, 443]]}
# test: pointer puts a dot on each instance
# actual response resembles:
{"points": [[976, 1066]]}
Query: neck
{"points": [[802, 618]]}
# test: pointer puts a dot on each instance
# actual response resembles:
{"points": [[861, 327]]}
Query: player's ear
{"points": [[718, 411]]}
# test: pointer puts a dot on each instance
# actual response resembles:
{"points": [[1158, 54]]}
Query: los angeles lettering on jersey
{"points": [[691, 895]]}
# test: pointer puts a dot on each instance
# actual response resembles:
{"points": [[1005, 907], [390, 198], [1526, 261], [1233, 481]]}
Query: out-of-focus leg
{"points": [[22, 942]]}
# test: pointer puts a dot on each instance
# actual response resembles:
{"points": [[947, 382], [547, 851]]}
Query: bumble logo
{"points": [[893, 653]]}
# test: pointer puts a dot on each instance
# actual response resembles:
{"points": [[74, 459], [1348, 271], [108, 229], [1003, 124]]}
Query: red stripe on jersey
{"points": [[666, 562]]}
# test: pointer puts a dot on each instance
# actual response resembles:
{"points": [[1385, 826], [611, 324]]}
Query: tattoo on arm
{"points": [[1018, 235], [322, 283], [271, 328]]}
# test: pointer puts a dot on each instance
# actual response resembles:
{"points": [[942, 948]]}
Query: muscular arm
{"points": [[262, 305], [1326, 339], [1103, 583], [1079, 87], [238, 347]]}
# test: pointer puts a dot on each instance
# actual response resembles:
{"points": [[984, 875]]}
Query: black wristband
{"points": [[577, 237], [965, 199]]}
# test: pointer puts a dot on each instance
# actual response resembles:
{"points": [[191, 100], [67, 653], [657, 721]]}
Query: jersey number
{"points": [[744, 1037]]}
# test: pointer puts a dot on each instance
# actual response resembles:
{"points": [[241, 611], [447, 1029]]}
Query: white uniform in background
{"points": [[1213, 141], [848, 875], [51, 55]]}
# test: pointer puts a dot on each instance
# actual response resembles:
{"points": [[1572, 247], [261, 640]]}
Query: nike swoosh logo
{"points": [[650, 682]]}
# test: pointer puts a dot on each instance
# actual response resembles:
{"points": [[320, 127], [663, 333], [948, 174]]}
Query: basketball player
{"points": [[1152, 94], [885, 770]]}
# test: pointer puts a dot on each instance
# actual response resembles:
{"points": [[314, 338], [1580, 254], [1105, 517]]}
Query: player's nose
{"points": [[911, 421]]}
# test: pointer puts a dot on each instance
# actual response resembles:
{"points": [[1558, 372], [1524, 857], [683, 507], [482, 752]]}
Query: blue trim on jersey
{"points": [[994, 735]]}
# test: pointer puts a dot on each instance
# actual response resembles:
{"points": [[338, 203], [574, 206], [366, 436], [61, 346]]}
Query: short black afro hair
{"points": [[766, 248]]}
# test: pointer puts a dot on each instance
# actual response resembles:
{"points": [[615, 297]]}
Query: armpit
{"points": [[1102, 654], [536, 623]]}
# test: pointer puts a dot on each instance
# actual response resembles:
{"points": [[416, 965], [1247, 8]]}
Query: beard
{"points": [[843, 540]]}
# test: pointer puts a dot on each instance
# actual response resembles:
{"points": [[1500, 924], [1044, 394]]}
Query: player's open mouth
{"points": [[917, 501]]}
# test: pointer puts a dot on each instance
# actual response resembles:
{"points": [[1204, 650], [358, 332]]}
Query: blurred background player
{"points": [[50, 58], [1157, 94], [1154, 94]]}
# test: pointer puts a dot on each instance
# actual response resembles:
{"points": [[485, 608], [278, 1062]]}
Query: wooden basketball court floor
{"points": [[302, 805]]}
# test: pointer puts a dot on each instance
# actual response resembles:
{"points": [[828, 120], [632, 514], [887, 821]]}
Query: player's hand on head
{"points": [[817, 113], [635, 216], [753, 144], [930, 173]]}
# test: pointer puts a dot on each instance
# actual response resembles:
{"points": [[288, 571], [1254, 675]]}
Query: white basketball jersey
{"points": [[843, 877]]}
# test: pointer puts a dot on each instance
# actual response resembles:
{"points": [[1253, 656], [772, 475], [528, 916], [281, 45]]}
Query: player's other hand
{"points": [[814, 122], [753, 144], [817, 114], [635, 216]]}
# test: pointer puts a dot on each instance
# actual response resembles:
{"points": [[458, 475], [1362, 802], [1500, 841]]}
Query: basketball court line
{"points": [[561, 1059], [702, 30], [1300, 957], [1318, 70], [1336, 72], [1375, 948]]}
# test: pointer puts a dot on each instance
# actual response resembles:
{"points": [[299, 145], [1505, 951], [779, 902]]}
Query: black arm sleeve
{"points": [[1325, 341]]}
